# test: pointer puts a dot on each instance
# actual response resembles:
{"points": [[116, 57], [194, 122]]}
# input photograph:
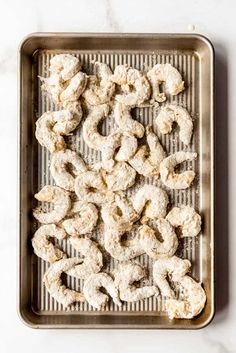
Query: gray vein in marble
{"points": [[218, 346], [110, 17]]}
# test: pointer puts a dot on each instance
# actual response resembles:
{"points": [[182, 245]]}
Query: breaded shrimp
{"points": [[193, 302], [119, 214], [100, 88], [120, 178], [90, 187], [65, 65], [125, 276], [125, 121], [75, 88], [119, 249], [155, 248], [147, 163], [174, 113], [167, 170], [53, 283], [42, 245], [92, 261], [128, 147], [187, 219], [59, 168], [57, 196], [133, 83], [52, 125], [82, 220], [153, 200], [173, 267], [92, 291], [168, 74]]}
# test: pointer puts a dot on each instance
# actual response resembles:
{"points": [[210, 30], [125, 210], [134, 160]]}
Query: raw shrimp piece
{"points": [[57, 196], [147, 163], [51, 125], [53, 283], [121, 177], [167, 170], [187, 219], [90, 187], [92, 291], [119, 214], [92, 261], [75, 88], [64, 65], [59, 168], [42, 245], [173, 267], [83, 219], [128, 147], [125, 276], [174, 113], [134, 84], [121, 250], [100, 88], [155, 248], [193, 302], [153, 200], [125, 121], [168, 74]]}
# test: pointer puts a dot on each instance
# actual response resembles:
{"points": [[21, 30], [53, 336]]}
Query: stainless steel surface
{"points": [[193, 56]]}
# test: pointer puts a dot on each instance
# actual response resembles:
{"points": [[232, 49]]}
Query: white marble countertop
{"points": [[216, 20]]}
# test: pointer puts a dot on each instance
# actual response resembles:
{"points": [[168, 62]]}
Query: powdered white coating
{"points": [[92, 293], [125, 122], [53, 283], [125, 276], [155, 248], [187, 219], [92, 261], [168, 74], [152, 201], [59, 168], [57, 196], [42, 245], [174, 113], [120, 178], [167, 170]]}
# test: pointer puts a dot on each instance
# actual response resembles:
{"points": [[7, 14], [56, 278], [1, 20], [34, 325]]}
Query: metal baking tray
{"points": [[193, 55]]}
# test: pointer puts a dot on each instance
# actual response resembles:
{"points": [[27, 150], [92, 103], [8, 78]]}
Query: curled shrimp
{"points": [[92, 291], [42, 245], [168, 74], [59, 168], [174, 113], [125, 121], [53, 283], [82, 219], [90, 187], [133, 83], [193, 302], [125, 276], [187, 219], [152, 246], [120, 178], [119, 249], [119, 214], [147, 163], [167, 170], [92, 261], [75, 88], [152, 200], [172, 267], [128, 146], [64, 65], [57, 196], [100, 88], [52, 125]]}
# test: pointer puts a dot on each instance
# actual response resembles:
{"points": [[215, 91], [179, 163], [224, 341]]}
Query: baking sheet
{"points": [[193, 57]]}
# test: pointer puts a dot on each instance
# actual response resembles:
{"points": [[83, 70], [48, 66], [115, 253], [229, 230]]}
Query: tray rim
{"points": [[32, 36]]}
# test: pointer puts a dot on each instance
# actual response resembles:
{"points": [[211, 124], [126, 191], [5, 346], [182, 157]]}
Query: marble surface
{"points": [[213, 18]]}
